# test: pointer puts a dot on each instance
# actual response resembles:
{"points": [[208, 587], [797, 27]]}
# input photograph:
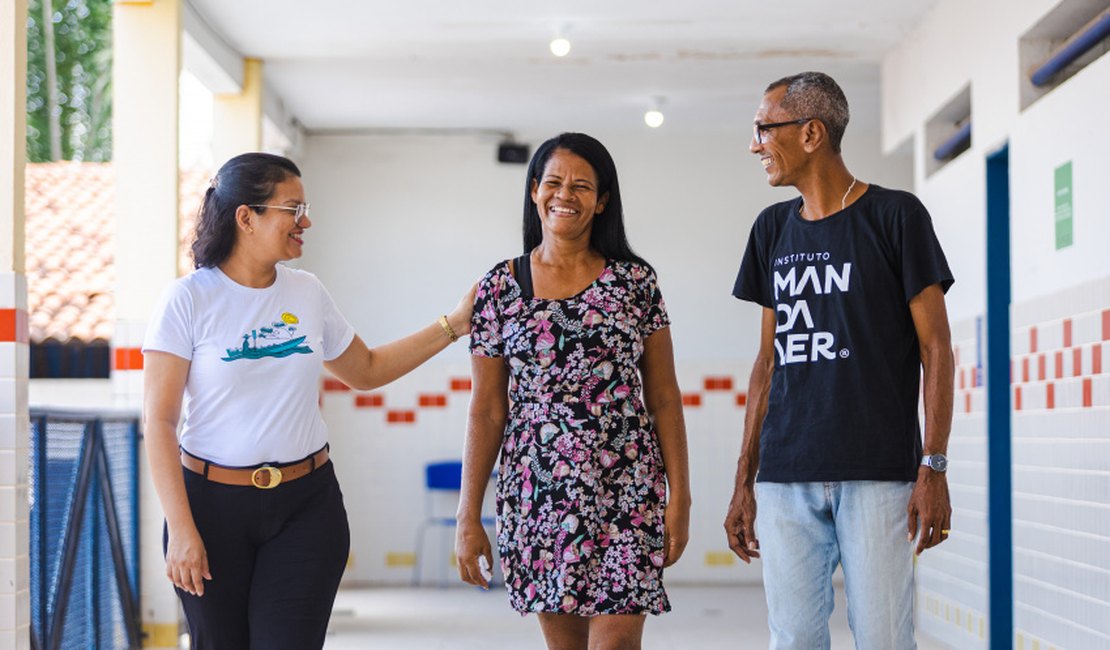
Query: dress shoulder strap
{"points": [[523, 267]]}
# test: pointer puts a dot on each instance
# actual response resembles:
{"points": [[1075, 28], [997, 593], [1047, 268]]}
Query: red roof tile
{"points": [[70, 239]]}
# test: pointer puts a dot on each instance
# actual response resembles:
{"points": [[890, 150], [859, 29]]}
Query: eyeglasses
{"points": [[300, 212], [758, 128]]}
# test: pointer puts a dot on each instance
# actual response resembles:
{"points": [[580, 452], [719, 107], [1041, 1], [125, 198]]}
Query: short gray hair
{"points": [[815, 94]]}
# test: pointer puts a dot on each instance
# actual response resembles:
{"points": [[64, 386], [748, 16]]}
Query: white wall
{"points": [[1061, 304], [404, 223]]}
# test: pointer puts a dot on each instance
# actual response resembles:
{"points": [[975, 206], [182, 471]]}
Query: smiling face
{"points": [[566, 196], [782, 151], [276, 234]]}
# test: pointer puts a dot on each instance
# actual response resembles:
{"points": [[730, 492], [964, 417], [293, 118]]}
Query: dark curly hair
{"points": [[607, 236], [246, 179]]}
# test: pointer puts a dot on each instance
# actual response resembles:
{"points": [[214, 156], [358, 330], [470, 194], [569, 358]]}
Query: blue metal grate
{"points": [[83, 484]]}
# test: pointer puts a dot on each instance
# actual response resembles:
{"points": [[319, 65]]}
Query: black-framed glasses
{"points": [[758, 128], [299, 212]]}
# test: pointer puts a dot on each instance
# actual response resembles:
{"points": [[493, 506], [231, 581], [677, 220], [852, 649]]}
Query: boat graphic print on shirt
{"points": [[277, 340]]}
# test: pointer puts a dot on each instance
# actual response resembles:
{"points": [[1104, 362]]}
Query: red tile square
{"points": [[691, 399], [1040, 367], [460, 383], [1087, 391], [1033, 339], [1059, 364], [373, 400], [1025, 369], [1106, 324], [718, 383], [1017, 398], [1076, 362], [400, 417], [1096, 359], [432, 400], [128, 359], [960, 374], [1050, 396], [332, 385], [1067, 332], [13, 326], [967, 402], [741, 399]]}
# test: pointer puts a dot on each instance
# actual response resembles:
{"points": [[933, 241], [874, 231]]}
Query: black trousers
{"points": [[276, 557]]}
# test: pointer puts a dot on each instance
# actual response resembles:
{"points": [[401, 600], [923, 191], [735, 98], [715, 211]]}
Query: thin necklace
{"points": [[843, 199]]}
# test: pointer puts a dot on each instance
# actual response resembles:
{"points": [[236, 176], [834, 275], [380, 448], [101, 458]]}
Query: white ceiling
{"points": [[485, 64]]}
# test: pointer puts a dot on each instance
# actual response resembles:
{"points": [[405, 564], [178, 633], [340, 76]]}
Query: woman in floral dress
{"points": [[593, 488]]}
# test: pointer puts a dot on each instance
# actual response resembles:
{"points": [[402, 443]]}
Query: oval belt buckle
{"points": [[274, 476]]}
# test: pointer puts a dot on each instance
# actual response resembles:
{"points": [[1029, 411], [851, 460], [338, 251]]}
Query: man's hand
{"points": [[930, 508], [740, 524]]}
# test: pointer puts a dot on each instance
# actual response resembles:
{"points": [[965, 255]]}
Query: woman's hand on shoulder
{"points": [[459, 319]]}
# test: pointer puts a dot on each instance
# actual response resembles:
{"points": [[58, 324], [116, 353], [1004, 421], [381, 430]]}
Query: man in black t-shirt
{"points": [[851, 279]]}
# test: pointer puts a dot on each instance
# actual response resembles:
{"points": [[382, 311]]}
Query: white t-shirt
{"points": [[252, 394]]}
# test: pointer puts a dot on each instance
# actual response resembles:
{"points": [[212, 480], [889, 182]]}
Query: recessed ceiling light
{"points": [[560, 46], [654, 118]]}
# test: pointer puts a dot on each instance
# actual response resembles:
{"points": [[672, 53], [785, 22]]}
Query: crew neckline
{"points": [[796, 209]]}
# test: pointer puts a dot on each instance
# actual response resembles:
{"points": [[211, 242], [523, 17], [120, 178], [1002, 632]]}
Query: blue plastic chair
{"points": [[439, 477]]}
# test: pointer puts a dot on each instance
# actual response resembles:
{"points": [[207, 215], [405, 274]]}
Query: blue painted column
{"points": [[999, 411]]}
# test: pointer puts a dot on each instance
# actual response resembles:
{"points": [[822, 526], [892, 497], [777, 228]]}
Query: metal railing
{"points": [[84, 517]]}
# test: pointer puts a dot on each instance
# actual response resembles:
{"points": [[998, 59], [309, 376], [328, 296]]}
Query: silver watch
{"points": [[935, 462]]}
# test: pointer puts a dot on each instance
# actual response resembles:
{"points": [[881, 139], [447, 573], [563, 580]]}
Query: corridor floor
{"points": [[703, 617]]}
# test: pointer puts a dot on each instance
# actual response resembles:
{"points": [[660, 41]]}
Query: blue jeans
{"points": [[805, 530]]}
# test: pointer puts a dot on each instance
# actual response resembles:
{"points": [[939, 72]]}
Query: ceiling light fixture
{"points": [[560, 46], [654, 116]]}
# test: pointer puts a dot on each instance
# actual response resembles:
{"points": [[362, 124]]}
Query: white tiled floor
{"points": [[703, 617]]}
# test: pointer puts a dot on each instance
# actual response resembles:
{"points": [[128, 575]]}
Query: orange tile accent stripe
{"points": [[1033, 339], [400, 417], [1059, 364], [741, 399], [1106, 324], [960, 374], [1025, 369], [1017, 398], [1050, 396], [460, 383], [967, 402], [374, 400], [334, 385], [1096, 359], [1087, 391], [128, 359], [13, 326], [1040, 367], [1067, 332], [718, 383], [691, 399], [1076, 362], [433, 401]]}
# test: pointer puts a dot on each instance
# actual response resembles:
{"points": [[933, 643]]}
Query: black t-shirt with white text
{"points": [[844, 392]]}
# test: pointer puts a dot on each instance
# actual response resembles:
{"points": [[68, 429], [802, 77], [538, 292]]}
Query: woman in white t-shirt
{"points": [[256, 535]]}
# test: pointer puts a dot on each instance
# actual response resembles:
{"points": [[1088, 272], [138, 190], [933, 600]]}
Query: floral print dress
{"points": [[581, 486]]}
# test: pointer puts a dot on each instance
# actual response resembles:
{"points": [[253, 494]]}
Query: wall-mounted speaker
{"points": [[513, 152]]}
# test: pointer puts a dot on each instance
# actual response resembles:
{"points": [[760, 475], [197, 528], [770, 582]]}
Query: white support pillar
{"points": [[237, 118], [15, 570], [146, 44]]}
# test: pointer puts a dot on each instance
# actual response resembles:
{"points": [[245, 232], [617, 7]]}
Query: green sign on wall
{"points": [[1063, 206]]}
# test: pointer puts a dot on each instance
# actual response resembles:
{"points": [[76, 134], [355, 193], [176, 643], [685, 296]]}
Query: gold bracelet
{"points": [[447, 329]]}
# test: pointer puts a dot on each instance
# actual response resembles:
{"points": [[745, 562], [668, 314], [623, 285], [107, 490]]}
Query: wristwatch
{"points": [[935, 462]]}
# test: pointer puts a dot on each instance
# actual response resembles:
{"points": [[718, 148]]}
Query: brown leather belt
{"points": [[265, 477]]}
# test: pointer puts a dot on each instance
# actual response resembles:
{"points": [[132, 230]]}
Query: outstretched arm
{"points": [[364, 368]]}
